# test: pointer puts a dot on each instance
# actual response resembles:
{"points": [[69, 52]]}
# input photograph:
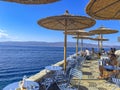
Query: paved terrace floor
{"points": [[90, 79], [90, 74]]}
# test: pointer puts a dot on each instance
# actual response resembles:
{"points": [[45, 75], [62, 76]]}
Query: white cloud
{"points": [[3, 34]]}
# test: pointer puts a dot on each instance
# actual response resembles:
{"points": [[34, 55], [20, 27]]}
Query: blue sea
{"points": [[17, 61]]}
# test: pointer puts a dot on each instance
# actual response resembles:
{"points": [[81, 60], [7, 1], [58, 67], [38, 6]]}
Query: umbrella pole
{"points": [[81, 44], [65, 45], [77, 47], [98, 46], [100, 43]]}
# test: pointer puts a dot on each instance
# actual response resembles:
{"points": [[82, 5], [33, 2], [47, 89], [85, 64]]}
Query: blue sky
{"points": [[18, 22]]}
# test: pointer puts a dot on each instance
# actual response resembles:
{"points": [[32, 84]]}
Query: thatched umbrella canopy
{"points": [[32, 1], [104, 9], [64, 23], [102, 30], [99, 39], [79, 33], [81, 37]]}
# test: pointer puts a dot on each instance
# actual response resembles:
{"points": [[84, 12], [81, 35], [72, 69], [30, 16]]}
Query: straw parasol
{"points": [[99, 39], [66, 22], [32, 1], [79, 33], [104, 9], [102, 30], [81, 37]]}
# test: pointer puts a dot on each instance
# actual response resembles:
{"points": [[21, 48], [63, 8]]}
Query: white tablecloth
{"points": [[30, 85], [53, 68], [104, 57]]}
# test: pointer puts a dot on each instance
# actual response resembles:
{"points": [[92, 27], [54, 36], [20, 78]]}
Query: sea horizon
{"points": [[55, 44]]}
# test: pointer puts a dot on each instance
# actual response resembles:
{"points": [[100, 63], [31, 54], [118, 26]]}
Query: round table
{"points": [[53, 68], [104, 57], [30, 85], [56, 69]]}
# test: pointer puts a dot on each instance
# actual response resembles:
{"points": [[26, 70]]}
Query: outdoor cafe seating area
{"points": [[104, 61], [74, 75], [79, 71], [62, 78]]}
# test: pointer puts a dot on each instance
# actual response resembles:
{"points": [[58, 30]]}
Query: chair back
{"points": [[76, 73], [116, 81]]}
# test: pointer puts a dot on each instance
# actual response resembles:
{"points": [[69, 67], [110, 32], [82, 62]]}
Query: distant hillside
{"points": [[50, 44]]}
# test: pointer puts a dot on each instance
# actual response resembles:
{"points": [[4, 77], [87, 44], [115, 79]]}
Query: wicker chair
{"points": [[117, 82], [73, 73]]}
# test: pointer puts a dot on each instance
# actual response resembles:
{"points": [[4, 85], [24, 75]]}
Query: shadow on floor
{"points": [[100, 88], [87, 73], [87, 62], [84, 66], [82, 88]]}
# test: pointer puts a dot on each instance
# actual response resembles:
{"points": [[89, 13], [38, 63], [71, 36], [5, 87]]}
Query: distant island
{"points": [[51, 44]]}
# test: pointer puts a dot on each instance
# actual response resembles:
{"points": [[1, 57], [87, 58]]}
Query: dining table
{"points": [[104, 57], [53, 68], [56, 69]]}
